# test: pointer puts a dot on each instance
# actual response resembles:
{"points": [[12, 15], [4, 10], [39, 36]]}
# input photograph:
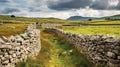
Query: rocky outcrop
{"points": [[19, 47], [100, 49]]}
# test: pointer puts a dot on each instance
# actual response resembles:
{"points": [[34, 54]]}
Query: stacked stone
{"points": [[101, 49], [19, 47], [48, 25]]}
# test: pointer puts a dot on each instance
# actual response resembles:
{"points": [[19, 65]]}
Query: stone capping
{"points": [[17, 48], [100, 49]]}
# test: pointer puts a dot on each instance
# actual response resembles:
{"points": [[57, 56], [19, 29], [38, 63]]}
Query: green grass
{"points": [[69, 59], [104, 22], [28, 63], [12, 29], [111, 30], [56, 52]]}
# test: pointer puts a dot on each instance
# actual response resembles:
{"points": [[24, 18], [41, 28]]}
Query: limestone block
{"points": [[14, 55], [10, 52], [12, 38], [3, 58], [5, 46], [111, 39], [2, 41], [19, 38], [5, 62], [5, 38], [24, 36], [111, 54], [118, 57]]}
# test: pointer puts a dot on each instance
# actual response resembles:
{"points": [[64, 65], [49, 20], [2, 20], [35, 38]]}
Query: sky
{"points": [[60, 8]]}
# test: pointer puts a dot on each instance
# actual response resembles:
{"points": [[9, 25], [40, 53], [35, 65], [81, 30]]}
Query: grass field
{"points": [[16, 19], [56, 52], [111, 30], [12, 29], [104, 22]]}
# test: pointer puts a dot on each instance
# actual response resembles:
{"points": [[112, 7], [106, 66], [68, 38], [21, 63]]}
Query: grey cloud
{"points": [[76, 4], [9, 10], [32, 9], [118, 6], [104, 5], [100, 5], [36, 5], [3, 0], [70, 4]]}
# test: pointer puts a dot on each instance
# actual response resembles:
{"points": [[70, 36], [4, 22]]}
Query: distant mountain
{"points": [[114, 16], [86, 18], [79, 18]]}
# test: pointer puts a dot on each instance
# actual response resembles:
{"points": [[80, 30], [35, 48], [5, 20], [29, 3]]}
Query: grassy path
{"points": [[63, 54], [56, 52]]}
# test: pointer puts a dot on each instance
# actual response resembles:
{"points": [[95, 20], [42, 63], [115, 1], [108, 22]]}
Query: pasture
{"points": [[111, 30], [56, 52]]}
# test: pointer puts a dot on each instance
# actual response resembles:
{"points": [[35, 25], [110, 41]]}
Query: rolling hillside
{"points": [[86, 18]]}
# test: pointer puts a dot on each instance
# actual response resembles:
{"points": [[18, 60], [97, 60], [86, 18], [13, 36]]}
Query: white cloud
{"points": [[67, 14], [88, 12], [62, 15], [113, 2]]}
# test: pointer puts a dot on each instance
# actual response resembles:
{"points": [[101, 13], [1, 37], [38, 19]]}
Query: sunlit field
{"points": [[104, 22], [59, 33], [12, 29], [111, 30], [56, 51]]}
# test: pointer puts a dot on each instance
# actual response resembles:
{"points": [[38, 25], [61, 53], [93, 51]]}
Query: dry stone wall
{"points": [[100, 49], [48, 25], [19, 47]]}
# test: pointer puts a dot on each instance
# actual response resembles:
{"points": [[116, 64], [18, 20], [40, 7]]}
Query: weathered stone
{"points": [[3, 58], [111, 39], [6, 46], [1, 41], [18, 38], [116, 51], [5, 38], [118, 57], [5, 62], [24, 36], [14, 55], [111, 54], [12, 38]]}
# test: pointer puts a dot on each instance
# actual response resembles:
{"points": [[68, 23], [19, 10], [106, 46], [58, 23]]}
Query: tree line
{"points": [[112, 19]]}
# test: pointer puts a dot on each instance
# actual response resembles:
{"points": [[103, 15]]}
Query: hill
{"points": [[17, 19], [114, 16], [86, 18], [78, 18]]}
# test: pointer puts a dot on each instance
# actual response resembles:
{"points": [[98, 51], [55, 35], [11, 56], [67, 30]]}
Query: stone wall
{"points": [[100, 49], [19, 47], [48, 25]]}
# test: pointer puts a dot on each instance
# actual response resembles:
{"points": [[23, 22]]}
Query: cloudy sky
{"points": [[60, 8]]}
